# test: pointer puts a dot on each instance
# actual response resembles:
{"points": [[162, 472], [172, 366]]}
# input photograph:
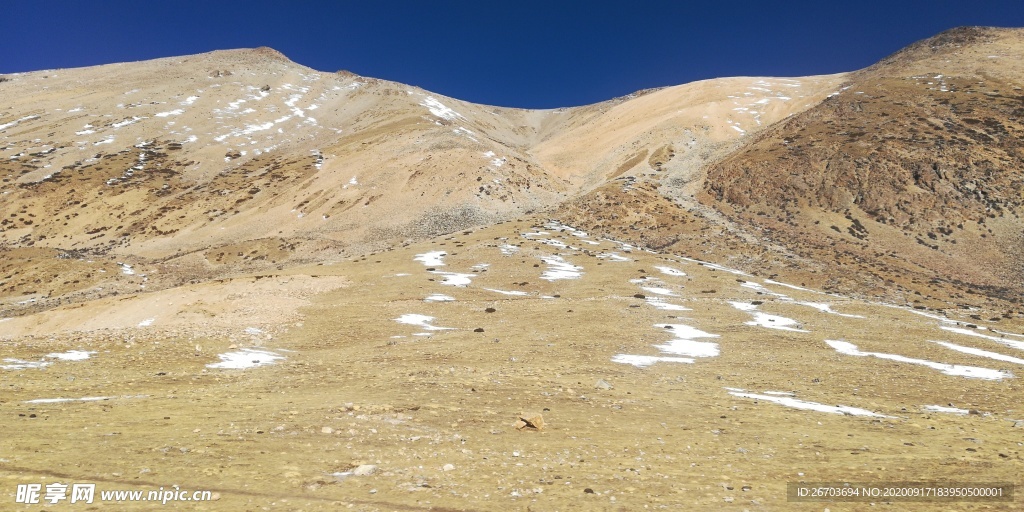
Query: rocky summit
{"points": [[308, 290]]}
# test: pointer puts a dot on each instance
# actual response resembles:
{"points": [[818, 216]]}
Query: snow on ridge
{"points": [[439, 109]]}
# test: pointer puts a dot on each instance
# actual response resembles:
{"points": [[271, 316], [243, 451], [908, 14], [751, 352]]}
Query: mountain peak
{"points": [[268, 52], [942, 43]]}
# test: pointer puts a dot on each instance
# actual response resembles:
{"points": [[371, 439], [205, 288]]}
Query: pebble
{"points": [[327, 430], [448, 467], [602, 384], [365, 470]]}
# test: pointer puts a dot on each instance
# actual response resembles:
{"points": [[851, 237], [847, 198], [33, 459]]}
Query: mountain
{"points": [[311, 290], [908, 175], [240, 160]]}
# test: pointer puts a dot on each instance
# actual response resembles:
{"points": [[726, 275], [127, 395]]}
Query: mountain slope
{"points": [[196, 167], [913, 168], [320, 291]]}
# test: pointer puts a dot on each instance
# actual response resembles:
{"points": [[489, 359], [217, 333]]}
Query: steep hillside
{"points": [[193, 168], [909, 173]]}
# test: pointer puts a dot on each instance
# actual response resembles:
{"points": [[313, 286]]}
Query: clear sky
{"points": [[519, 53]]}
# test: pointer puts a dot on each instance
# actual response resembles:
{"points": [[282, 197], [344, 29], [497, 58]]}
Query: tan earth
{"points": [[279, 326]]}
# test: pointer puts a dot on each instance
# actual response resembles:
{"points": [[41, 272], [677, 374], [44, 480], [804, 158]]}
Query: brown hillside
{"points": [[913, 167]]}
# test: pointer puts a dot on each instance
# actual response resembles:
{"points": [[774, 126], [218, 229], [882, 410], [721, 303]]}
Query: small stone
{"points": [[232, 346], [602, 384], [327, 430], [532, 420], [588, 490], [448, 467], [365, 470]]}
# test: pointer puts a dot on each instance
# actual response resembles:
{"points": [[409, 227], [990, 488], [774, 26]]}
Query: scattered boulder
{"points": [[530, 420], [364, 470], [603, 384]]}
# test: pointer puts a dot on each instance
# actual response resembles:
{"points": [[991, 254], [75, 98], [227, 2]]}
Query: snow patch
{"points": [[826, 308], [246, 358], [558, 268], [642, 361], [659, 303], [16, 121], [422, 321], [762, 319], [659, 291], [684, 343], [59, 400], [979, 352], [805, 405], [439, 109], [613, 256], [507, 292], [671, 271], [971, 372], [948, 410], [71, 355], [1019, 345], [431, 259], [455, 278]]}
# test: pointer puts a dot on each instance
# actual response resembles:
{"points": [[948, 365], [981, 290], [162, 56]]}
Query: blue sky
{"points": [[537, 54]]}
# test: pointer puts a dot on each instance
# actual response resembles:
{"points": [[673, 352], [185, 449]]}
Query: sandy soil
{"points": [[436, 414]]}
